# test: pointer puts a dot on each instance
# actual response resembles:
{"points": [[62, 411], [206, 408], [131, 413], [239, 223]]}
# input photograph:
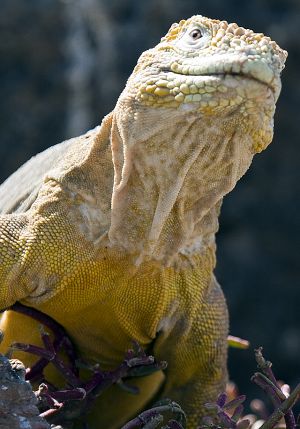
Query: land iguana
{"points": [[112, 233]]}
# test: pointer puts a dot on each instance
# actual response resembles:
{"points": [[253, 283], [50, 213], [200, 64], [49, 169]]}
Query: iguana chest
{"points": [[107, 303]]}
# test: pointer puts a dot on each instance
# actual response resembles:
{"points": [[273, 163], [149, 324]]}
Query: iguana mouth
{"points": [[258, 71], [223, 76]]}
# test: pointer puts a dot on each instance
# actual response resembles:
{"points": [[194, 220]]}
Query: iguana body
{"points": [[113, 233]]}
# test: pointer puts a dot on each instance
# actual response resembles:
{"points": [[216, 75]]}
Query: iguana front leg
{"points": [[12, 256], [196, 352], [32, 257]]}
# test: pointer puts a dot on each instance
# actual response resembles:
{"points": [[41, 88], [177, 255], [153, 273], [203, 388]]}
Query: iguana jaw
{"points": [[217, 81], [248, 64], [218, 90], [243, 68]]}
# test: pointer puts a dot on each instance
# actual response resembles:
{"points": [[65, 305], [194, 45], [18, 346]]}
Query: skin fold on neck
{"points": [[170, 180]]}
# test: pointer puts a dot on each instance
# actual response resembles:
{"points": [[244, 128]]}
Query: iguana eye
{"points": [[195, 34], [194, 38]]}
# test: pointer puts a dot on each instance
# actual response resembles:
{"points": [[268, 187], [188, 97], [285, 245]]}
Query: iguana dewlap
{"points": [[113, 233]]}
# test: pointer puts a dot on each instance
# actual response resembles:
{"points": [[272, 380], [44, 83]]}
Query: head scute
{"points": [[173, 32]]}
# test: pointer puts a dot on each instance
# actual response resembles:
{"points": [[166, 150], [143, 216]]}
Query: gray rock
{"points": [[18, 403]]}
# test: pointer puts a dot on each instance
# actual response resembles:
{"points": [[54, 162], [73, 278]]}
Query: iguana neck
{"points": [[171, 172]]}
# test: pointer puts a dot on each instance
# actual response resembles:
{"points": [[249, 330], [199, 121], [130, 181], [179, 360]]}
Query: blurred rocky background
{"points": [[63, 64]]}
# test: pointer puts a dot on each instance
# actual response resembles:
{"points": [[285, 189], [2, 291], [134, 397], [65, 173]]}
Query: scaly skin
{"points": [[116, 238]]}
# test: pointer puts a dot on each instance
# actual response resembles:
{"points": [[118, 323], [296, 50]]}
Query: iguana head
{"points": [[195, 110], [216, 68]]}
